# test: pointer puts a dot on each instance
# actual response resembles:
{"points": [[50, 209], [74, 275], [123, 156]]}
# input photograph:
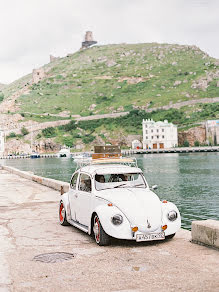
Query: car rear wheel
{"points": [[62, 215], [100, 235]]}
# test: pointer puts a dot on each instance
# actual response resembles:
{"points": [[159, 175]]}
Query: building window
{"points": [[151, 131], [157, 137], [157, 130], [146, 131], [152, 137], [163, 137], [146, 137], [162, 130]]}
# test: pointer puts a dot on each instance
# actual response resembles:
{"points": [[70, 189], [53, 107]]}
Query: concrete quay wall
{"points": [[206, 232], [58, 185]]}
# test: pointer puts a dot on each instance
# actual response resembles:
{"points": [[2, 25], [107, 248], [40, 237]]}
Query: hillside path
{"points": [[41, 126]]}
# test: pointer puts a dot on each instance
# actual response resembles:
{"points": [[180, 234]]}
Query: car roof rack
{"points": [[128, 161]]}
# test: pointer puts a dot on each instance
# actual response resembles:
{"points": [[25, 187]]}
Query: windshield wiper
{"points": [[138, 185], [120, 186]]}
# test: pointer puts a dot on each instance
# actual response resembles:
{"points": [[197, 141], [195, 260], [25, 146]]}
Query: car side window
{"points": [[74, 181], [85, 183]]}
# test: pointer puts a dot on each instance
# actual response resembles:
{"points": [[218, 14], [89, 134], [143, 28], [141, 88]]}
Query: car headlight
{"points": [[172, 215], [117, 219]]}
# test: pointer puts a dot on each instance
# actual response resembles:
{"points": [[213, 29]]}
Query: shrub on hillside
{"points": [[70, 126], [24, 131], [186, 143], [1, 96], [68, 141], [196, 144], [88, 139], [11, 135], [49, 132]]}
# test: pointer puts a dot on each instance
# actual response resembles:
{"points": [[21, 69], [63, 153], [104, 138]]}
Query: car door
{"points": [[83, 200], [73, 193]]}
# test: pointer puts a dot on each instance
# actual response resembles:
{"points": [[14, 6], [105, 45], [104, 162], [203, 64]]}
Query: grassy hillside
{"points": [[120, 77]]}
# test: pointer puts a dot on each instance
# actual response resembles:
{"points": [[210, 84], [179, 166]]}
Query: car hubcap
{"points": [[96, 229], [61, 213]]}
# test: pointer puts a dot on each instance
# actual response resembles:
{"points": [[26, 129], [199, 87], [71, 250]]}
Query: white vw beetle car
{"points": [[114, 200]]}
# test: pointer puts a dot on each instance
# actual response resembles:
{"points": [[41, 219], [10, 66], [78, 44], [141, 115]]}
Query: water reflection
{"points": [[188, 180]]}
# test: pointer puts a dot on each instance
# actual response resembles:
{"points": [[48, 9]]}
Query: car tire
{"points": [[100, 235], [170, 236], [62, 215]]}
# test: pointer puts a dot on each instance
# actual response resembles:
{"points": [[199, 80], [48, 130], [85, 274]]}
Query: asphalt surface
{"points": [[29, 229]]}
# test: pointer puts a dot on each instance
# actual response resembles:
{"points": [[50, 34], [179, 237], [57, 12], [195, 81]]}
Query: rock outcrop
{"points": [[192, 135]]}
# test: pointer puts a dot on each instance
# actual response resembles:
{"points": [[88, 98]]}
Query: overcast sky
{"points": [[30, 30]]}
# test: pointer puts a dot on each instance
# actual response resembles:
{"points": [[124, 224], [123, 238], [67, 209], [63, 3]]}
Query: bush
{"points": [[70, 126], [24, 131], [186, 143], [88, 139], [11, 135], [1, 96], [196, 143], [38, 136], [68, 141], [49, 132]]}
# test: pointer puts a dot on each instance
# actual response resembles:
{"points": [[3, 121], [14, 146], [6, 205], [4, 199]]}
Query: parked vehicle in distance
{"points": [[109, 199]]}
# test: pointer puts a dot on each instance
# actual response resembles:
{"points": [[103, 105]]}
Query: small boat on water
{"points": [[64, 152], [83, 156], [34, 155]]}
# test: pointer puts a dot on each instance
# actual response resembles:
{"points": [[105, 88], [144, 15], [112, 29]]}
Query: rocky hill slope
{"points": [[175, 82]]}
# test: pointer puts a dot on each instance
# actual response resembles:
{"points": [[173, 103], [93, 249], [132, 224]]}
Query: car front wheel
{"points": [[62, 215], [100, 235], [170, 236]]}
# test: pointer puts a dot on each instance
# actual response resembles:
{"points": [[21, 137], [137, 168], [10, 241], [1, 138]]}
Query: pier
{"points": [[32, 241], [130, 152], [172, 150]]}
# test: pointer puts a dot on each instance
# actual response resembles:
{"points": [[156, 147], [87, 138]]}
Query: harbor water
{"points": [[191, 181]]}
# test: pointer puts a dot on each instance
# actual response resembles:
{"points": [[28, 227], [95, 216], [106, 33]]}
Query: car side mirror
{"points": [[154, 187]]}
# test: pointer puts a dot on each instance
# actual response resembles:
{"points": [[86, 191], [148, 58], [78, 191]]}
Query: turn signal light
{"points": [[134, 229], [164, 227], [110, 204], [164, 201]]}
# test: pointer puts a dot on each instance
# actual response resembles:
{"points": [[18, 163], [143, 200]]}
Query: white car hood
{"points": [[142, 207]]}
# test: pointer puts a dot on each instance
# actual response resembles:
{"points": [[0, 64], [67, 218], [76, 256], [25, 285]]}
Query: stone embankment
{"points": [[38, 254]]}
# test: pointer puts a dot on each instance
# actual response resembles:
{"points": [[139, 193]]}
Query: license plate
{"points": [[151, 236]]}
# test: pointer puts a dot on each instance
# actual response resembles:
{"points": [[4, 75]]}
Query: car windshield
{"points": [[122, 180]]}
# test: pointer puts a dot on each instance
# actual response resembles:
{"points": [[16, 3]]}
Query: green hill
{"points": [[110, 78], [127, 77]]}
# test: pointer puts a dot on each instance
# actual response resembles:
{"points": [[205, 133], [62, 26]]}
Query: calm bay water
{"points": [[191, 181]]}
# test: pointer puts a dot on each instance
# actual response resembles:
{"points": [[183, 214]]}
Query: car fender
{"points": [[65, 200], [105, 213], [172, 226]]}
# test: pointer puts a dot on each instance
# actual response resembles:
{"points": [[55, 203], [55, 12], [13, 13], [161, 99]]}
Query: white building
{"points": [[2, 142], [212, 132], [159, 135], [136, 144]]}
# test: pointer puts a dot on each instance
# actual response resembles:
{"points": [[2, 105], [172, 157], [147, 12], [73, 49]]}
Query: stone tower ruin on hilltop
{"points": [[88, 40], [38, 75]]}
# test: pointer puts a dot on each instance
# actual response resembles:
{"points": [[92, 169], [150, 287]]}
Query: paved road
{"points": [[29, 227]]}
